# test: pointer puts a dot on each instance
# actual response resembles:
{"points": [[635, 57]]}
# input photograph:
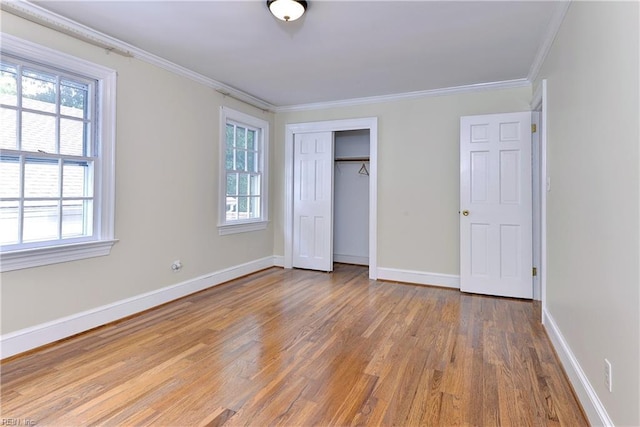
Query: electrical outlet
{"points": [[608, 380]]}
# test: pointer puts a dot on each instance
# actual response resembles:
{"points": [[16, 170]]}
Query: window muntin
{"points": [[243, 177], [48, 149]]}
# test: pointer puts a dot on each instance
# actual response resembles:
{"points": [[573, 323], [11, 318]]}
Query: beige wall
{"points": [[166, 189], [418, 173], [593, 289]]}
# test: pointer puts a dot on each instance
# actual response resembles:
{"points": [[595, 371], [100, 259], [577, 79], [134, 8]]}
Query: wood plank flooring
{"points": [[302, 348]]}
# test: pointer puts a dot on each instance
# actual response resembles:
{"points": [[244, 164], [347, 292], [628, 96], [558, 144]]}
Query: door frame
{"points": [[539, 104], [370, 123], [535, 205]]}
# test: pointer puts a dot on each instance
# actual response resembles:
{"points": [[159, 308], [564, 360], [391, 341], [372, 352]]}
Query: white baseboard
{"points": [[29, 338], [419, 277], [594, 409], [351, 259], [278, 261]]}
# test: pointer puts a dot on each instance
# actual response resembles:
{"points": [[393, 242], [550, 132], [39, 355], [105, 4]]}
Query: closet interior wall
{"points": [[351, 197]]}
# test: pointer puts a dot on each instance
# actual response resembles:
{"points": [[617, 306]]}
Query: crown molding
{"points": [[40, 16], [479, 87], [34, 13], [545, 47]]}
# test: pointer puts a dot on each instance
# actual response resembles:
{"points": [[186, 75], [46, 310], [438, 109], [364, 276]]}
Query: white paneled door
{"points": [[313, 201], [495, 205]]}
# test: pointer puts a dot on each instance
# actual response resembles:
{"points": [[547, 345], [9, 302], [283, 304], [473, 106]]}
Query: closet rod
{"points": [[351, 159]]}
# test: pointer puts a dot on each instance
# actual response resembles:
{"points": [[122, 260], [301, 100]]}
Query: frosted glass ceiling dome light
{"points": [[287, 10]]}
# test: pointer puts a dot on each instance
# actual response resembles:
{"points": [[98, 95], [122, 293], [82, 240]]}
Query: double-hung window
{"points": [[56, 156], [243, 192]]}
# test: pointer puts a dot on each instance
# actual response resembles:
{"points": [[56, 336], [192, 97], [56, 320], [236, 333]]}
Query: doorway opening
{"points": [[351, 197]]}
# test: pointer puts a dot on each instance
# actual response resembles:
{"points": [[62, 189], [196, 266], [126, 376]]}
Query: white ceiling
{"points": [[338, 50]]}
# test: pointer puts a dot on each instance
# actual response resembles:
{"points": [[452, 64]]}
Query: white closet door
{"points": [[313, 201], [495, 205]]}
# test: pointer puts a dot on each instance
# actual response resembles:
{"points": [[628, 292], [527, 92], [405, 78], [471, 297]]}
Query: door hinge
{"points": [[535, 271], [534, 128]]}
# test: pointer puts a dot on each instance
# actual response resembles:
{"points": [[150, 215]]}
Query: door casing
{"points": [[370, 123]]}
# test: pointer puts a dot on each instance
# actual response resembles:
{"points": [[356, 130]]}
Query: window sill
{"points": [[223, 230], [37, 257]]}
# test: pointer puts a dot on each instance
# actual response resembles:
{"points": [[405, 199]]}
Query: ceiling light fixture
{"points": [[287, 10]]}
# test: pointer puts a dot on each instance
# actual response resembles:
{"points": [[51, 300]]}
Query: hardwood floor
{"points": [[293, 347]]}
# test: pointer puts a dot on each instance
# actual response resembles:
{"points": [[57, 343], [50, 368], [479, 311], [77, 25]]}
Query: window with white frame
{"points": [[56, 156], [243, 178]]}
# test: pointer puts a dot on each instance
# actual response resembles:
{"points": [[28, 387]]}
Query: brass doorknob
{"points": [[465, 213]]}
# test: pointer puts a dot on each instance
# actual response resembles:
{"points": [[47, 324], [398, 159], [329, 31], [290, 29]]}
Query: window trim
{"points": [[104, 235], [241, 226]]}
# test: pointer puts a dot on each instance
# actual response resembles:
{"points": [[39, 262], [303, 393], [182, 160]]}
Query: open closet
{"points": [[331, 194]]}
